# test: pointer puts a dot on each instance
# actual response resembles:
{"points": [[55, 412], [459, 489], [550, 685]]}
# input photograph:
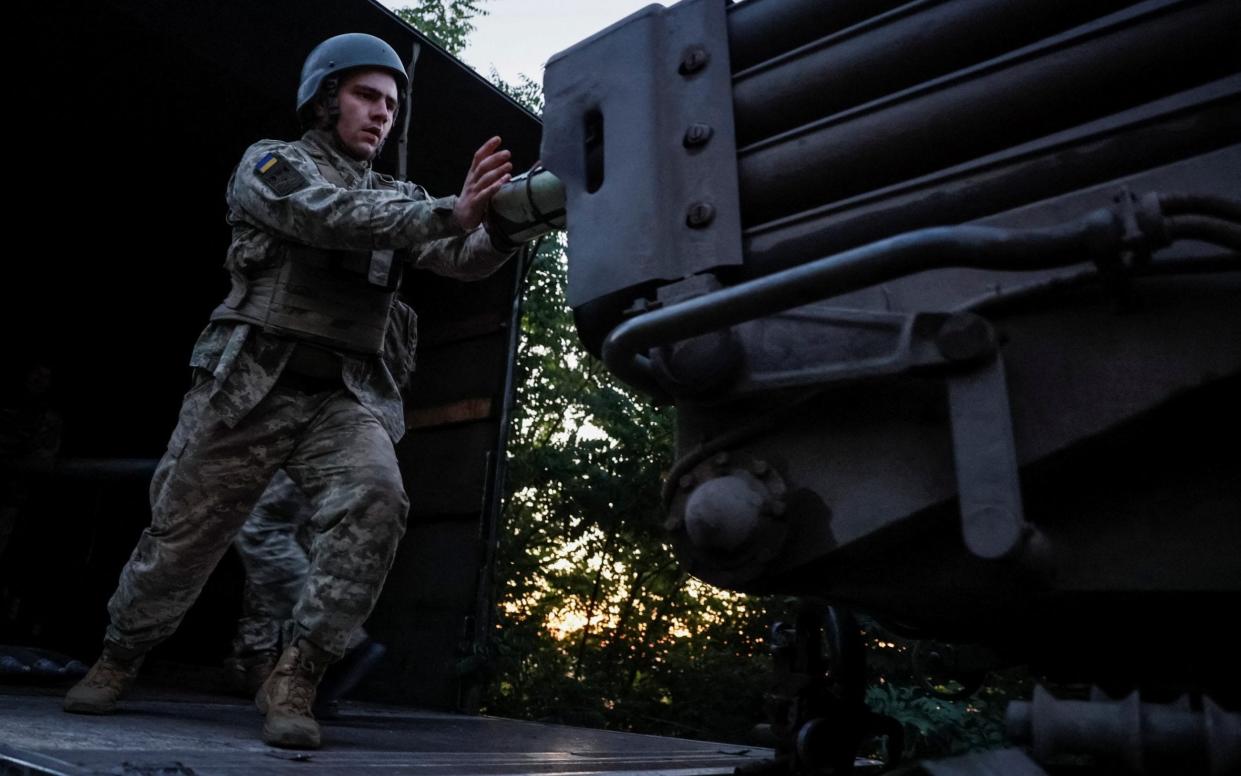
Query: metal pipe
{"points": [[907, 46], [1206, 229], [997, 186], [1094, 236], [997, 106], [1202, 205], [761, 29]]}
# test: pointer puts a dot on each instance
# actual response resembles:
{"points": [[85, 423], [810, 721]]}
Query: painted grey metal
{"points": [[20, 762], [909, 45], [985, 336], [985, 459], [1139, 736], [1094, 236], [1178, 143], [833, 356], [618, 107], [759, 30], [172, 733], [1027, 94]]}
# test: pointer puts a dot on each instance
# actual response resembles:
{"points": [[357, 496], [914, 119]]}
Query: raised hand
{"points": [[489, 170]]}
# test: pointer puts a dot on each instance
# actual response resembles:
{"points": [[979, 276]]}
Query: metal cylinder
{"points": [[999, 106], [1095, 235], [771, 247], [1144, 737], [724, 514], [762, 29], [528, 206], [907, 46]]}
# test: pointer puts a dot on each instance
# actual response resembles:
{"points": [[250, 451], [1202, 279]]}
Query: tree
{"points": [[446, 22]]}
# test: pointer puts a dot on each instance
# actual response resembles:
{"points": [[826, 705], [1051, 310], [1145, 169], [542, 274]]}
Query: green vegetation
{"points": [[447, 22]]}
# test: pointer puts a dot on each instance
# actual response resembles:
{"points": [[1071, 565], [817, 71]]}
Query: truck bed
{"points": [[162, 731]]}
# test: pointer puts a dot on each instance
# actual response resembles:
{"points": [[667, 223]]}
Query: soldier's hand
{"points": [[490, 170]]}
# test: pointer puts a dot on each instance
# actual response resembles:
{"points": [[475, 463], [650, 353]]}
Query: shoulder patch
{"points": [[278, 174]]}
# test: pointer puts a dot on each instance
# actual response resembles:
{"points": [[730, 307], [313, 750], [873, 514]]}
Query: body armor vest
{"points": [[335, 299]]}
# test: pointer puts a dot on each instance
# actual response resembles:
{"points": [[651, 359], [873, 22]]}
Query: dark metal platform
{"points": [[170, 733]]}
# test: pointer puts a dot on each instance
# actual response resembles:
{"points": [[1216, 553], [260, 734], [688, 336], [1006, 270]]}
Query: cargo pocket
{"points": [[193, 405], [401, 343]]}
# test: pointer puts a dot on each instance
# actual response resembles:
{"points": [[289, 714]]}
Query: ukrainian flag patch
{"points": [[278, 175]]}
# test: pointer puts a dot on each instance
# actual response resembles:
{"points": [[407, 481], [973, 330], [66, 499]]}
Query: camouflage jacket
{"points": [[304, 208]]}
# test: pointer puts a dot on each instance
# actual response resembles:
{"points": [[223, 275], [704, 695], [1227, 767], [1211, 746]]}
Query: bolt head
{"points": [[699, 215], [693, 60], [964, 337], [697, 135]]}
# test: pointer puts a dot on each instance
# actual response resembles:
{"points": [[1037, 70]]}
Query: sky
{"points": [[518, 36]]}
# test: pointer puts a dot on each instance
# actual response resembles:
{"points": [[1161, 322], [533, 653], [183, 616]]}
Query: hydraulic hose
{"points": [[1100, 236]]}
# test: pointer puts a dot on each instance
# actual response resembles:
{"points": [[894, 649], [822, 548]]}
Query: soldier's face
{"points": [[368, 103]]}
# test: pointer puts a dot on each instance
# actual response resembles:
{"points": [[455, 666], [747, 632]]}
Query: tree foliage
{"points": [[598, 623], [938, 718], [446, 22]]}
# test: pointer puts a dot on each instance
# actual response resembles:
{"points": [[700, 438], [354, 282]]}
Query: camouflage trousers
{"points": [[212, 476], [274, 546]]}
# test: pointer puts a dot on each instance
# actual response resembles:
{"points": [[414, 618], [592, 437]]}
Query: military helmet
{"points": [[346, 52]]}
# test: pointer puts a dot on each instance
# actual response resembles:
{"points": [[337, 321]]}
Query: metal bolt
{"points": [[697, 135], [964, 337], [686, 482], [700, 214], [694, 59], [759, 468], [720, 459]]}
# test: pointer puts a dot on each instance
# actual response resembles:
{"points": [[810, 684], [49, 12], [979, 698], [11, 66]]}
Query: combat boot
{"points": [[289, 694], [106, 682]]}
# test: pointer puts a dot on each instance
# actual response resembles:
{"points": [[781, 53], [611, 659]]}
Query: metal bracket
{"points": [[818, 346], [639, 127], [992, 523]]}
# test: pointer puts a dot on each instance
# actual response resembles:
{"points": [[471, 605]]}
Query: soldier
{"points": [[288, 374], [274, 545]]}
